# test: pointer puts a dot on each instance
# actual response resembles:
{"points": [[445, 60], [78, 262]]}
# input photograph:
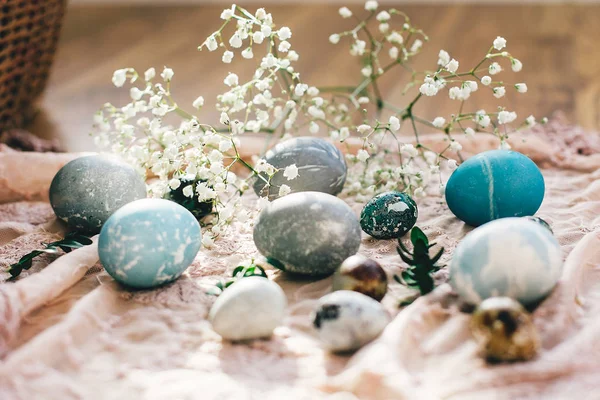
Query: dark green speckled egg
{"points": [[389, 215]]}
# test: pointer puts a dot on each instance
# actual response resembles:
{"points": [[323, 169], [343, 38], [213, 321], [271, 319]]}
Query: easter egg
{"points": [[389, 215], [495, 184], [363, 275], [149, 242], [308, 233], [321, 167], [510, 257], [251, 308], [347, 320], [198, 208], [88, 190]]}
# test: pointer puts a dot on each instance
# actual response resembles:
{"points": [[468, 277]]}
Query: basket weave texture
{"points": [[29, 31]]}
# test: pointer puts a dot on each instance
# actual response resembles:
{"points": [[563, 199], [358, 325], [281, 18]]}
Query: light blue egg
{"points": [[495, 184], [511, 257], [149, 242]]}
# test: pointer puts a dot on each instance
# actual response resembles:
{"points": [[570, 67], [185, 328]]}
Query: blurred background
{"points": [[556, 41]]}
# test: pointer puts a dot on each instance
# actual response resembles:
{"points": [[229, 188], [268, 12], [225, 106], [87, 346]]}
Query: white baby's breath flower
{"points": [[395, 37], [188, 191], [358, 48], [345, 12], [504, 145], [471, 85], [363, 100], [499, 43], [409, 150], [199, 102], [284, 33], [530, 120], [293, 56], [439, 122], [119, 77], [224, 119], [284, 46], [499, 92], [384, 28], [362, 155], [211, 43], [383, 16], [516, 65], [231, 80], [494, 68], [300, 89], [416, 46], [366, 71], [149, 74], [135, 93], [284, 190], [364, 128], [236, 40], [312, 91], [174, 183], [227, 14], [393, 52], [521, 87], [313, 127], [429, 87], [506, 117], [227, 57], [290, 172], [486, 80], [247, 53], [455, 146], [344, 133], [482, 119], [452, 66], [394, 123], [371, 5], [208, 241], [470, 132], [266, 30], [443, 58], [419, 192], [260, 14], [167, 74], [258, 37], [335, 38], [451, 165], [225, 145]]}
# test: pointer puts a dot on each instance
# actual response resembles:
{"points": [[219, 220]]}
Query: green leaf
{"points": [[416, 235], [437, 257], [406, 259]]}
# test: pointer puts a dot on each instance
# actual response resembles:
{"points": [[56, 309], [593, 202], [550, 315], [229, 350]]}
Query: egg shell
{"points": [[88, 190], [363, 275], [389, 215], [149, 242], [308, 233], [495, 184], [251, 308], [346, 320], [510, 257], [321, 167]]}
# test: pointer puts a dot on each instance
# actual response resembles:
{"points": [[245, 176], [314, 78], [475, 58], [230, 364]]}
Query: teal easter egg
{"points": [[511, 257], [495, 184], [149, 242], [389, 215], [88, 190]]}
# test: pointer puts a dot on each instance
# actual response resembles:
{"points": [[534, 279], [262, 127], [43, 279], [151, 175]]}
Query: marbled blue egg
{"points": [[149, 242], [495, 184], [511, 257]]}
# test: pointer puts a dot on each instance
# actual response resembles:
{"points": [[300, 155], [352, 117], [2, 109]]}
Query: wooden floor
{"points": [[558, 44]]}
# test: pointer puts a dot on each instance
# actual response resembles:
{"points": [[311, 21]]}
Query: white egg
{"points": [[251, 308], [346, 320]]}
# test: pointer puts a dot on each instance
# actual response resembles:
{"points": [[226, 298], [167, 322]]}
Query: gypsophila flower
{"points": [[312, 91], [530, 121], [174, 183], [366, 71], [208, 241], [227, 13], [516, 65], [494, 68], [227, 57], [383, 16], [358, 48], [439, 122], [521, 87], [284, 46], [364, 128], [506, 117], [149, 74], [167, 74], [345, 12], [290, 172], [409, 150], [247, 53], [395, 37], [335, 38], [393, 52], [371, 5], [135, 93], [443, 58], [362, 155], [384, 27], [499, 92], [470, 132], [284, 190], [452, 66], [231, 80], [313, 127], [499, 43], [300, 89], [429, 88], [416, 46], [119, 77], [211, 43], [455, 146], [451, 165], [394, 123], [199, 102], [419, 192], [363, 100], [235, 41], [504, 145], [486, 80], [284, 33], [224, 119], [188, 191], [482, 118]]}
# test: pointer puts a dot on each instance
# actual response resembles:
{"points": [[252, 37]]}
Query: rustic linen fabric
{"points": [[67, 331]]}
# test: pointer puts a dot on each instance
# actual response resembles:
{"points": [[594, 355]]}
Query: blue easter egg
{"points": [[149, 242], [495, 184], [511, 257]]}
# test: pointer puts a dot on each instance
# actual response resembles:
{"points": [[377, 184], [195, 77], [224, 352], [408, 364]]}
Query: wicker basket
{"points": [[29, 31]]}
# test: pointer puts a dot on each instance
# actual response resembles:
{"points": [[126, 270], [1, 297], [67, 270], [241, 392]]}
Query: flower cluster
{"points": [[277, 102]]}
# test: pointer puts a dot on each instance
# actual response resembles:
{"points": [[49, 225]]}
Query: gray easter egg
{"points": [[346, 320], [251, 308], [321, 167], [308, 233], [88, 190]]}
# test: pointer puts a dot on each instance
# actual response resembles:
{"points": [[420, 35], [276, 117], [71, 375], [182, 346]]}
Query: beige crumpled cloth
{"points": [[67, 331]]}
